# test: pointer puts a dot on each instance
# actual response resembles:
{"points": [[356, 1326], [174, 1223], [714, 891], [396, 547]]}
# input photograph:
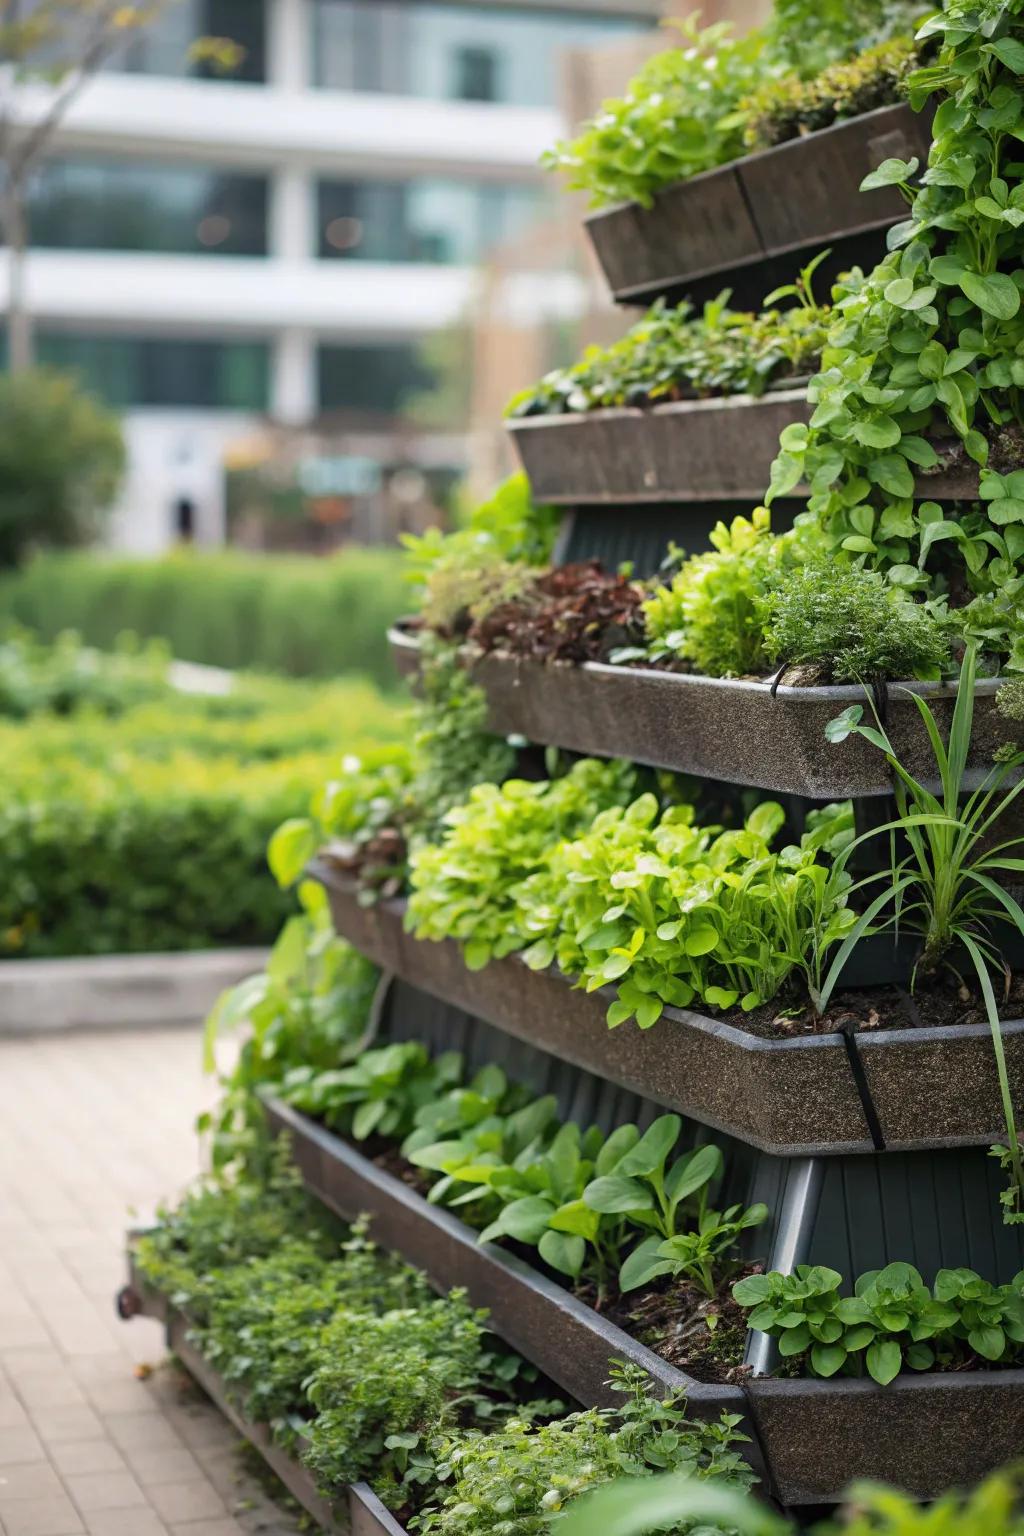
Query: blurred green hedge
{"points": [[148, 831], [294, 614]]}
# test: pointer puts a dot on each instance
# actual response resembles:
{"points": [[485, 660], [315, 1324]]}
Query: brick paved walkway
{"points": [[96, 1130]]}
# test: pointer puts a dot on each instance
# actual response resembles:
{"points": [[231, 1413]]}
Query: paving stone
{"points": [[98, 1125], [34, 1480], [19, 1445], [85, 1456], [54, 1515], [125, 1522], [171, 1466], [177, 1503]]}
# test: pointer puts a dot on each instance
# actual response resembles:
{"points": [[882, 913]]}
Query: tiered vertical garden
{"points": [[732, 993]]}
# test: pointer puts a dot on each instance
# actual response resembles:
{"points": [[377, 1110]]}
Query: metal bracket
{"points": [[792, 1241]]}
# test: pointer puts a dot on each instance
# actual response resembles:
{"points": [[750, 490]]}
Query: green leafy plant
{"points": [[667, 910], [537, 1181], [679, 117], [463, 887], [787, 108], [947, 889], [921, 368], [398, 1374], [307, 1010], [519, 1480], [654, 1194], [850, 624], [710, 616], [892, 1321], [379, 1094], [460, 576], [671, 354]]}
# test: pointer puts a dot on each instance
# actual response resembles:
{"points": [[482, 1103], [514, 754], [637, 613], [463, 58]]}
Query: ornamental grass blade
{"points": [[855, 935], [636, 1506]]}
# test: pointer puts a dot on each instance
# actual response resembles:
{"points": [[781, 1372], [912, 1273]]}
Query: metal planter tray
{"points": [[567, 1340], [923, 1433], [817, 1095], [365, 1515], [796, 197], [716, 728], [686, 451]]}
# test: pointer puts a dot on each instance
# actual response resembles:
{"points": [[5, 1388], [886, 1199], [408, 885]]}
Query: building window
{"points": [[371, 380], [164, 47], [138, 371], [91, 205], [476, 75], [446, 222], [453, 52]]}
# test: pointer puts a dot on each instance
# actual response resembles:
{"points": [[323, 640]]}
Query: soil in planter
{"points": [[933, 1005], [704, 1336]]}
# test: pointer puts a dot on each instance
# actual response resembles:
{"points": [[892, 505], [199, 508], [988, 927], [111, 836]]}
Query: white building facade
{"points": [[216, 254]]}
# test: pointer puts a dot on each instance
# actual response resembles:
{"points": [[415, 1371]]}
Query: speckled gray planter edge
{"points": [[365, 1514], [932, 1087], [731, 217], [686, 451], [922, 1433], [717, 728], [562, 1336]]}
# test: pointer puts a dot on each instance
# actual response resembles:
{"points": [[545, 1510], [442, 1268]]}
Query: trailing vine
{"points": [[924, 364]]}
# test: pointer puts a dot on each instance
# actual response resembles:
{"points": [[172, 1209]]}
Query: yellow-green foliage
{"points": [[785, 109], [148, 832]]}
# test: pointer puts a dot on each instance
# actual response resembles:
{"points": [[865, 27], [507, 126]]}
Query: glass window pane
{"points": [[136, 206], [428, 220], [371, 380], [163, 47], [164, 371], [452, 52]]}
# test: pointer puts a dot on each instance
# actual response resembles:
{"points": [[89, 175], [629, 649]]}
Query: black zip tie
{"points": [[848, 1030], [773, 691]]}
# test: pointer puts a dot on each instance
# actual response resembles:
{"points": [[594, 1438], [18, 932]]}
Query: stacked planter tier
{"points": [[770, 212], [359, 1513], [736, 731], [842, 1209]]}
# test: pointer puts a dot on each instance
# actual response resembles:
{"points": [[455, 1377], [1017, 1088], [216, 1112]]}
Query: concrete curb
{"points": [[118, 991]]}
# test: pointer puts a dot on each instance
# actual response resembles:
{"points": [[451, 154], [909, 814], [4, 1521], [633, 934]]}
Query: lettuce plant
{"points": [[668, 911], [463, 887]]}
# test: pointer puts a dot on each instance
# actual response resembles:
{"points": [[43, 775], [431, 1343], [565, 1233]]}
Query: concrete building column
{"points": [[294, 389], [292, 235], [290, 44]]}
